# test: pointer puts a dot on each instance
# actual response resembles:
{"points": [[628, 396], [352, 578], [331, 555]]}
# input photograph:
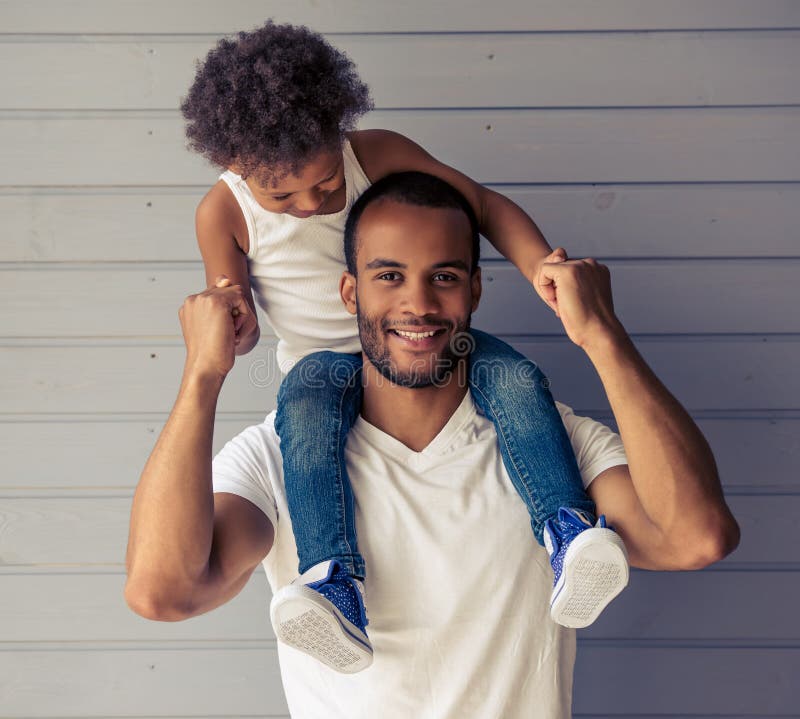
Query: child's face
{"points": [[306, 193]]}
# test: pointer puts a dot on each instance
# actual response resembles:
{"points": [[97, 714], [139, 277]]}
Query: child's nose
{"points": [[310, 201]]}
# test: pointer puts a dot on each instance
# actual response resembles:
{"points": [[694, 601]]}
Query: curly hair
{"points": [[271, 99]]}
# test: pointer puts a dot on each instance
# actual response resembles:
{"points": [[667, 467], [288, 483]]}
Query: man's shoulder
{"points": [[258, 443], [264, 431]]}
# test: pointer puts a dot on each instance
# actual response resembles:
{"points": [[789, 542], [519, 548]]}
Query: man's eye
{"points": [[390, 276], [444, 276]]}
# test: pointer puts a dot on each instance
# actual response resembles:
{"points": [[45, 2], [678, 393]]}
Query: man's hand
{"points": [[581, 297], [210, 322]]}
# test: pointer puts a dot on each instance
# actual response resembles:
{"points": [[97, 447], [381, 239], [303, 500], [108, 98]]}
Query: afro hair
{"points": [[270, 100]]}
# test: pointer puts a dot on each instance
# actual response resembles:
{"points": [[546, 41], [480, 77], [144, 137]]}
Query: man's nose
{"points": [[420, 298]]}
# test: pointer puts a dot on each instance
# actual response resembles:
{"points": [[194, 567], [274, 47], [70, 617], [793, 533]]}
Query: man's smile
{"points": [[419, 338]]}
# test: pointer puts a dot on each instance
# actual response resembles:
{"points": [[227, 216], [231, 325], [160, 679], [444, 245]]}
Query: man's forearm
{"points": [[671, 464], [173, 508]]}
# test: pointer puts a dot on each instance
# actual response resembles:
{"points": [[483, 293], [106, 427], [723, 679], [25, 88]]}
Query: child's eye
{"points": [[280, 197]]}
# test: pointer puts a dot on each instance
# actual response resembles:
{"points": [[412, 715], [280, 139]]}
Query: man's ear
{"points": [[347, 291], [476, 287]]}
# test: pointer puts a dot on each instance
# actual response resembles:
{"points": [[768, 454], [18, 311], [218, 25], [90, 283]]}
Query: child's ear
{"points": [[347, 291]]}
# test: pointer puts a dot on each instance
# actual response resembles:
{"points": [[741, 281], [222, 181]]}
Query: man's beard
{"points": [[421, 373]]}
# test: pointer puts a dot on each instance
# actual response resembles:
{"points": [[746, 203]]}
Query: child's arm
{"points": [[223, 240], [501, 221]]}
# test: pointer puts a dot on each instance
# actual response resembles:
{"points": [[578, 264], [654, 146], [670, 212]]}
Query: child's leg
{"points": [[318, 402], [590, 564], [322, 612], [513, 393]]}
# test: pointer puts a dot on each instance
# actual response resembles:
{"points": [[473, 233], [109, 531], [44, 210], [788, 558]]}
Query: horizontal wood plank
{"points": [[653, 297], [674, 682], [446, 71], [190, 16], [758, 454], [723, 374], [93, 530], [225, 682], [712, 606], [151, 682], [492, 146], [157, 224]]}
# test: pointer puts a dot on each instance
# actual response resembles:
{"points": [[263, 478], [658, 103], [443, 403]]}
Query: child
{"points": [[276, 107]]}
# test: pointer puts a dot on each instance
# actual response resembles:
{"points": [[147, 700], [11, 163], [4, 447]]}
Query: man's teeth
{"points": [[415, 335]]}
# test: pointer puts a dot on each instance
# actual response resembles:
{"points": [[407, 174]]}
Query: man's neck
{"points": [[413, 416]]}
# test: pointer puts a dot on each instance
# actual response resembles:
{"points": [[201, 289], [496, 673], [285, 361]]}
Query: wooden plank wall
{"points": [[663, 138]]}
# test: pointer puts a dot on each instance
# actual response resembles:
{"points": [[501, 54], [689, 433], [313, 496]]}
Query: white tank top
{"points": [[295, 265]]}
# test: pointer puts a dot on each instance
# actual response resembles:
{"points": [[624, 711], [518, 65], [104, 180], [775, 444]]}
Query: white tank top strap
{"points": [[247, 203], [355, 177]]}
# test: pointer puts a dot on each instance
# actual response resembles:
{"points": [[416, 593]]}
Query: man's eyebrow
{"points": [[455, 264], [382, 262]]}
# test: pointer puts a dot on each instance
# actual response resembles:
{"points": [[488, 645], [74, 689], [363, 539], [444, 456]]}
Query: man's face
{"points": [[414, 292]]}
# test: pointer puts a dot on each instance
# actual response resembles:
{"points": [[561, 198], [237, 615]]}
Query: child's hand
{"points": [[209, 321], [544, 285], [244, 323]]}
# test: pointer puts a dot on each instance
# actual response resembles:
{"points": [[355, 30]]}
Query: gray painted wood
{"points": [[728, 373], [542, 146], [680, 681], [713, 606], [98, 682], [88, 528], [149, 680], [152, 224], [653, 297], [445, 71], [753, 454], [107, 453], [80, 413], [191, 16]]}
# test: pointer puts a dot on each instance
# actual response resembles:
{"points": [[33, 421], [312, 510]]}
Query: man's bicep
{"points": [[243, 536], [614, 494]]}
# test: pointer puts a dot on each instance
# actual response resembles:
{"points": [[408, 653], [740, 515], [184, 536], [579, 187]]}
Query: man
{"points": [[458, 588]]}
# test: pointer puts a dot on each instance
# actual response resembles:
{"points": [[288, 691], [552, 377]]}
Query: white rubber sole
{"points": [[305, 620], [595, 571]]}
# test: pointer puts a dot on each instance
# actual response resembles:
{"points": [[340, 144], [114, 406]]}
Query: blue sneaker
{"points": [[322, 614], [590, 565]]}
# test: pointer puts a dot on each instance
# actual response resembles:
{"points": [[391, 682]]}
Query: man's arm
{"points": [[506, 225], [189, 551], [667, 504]]}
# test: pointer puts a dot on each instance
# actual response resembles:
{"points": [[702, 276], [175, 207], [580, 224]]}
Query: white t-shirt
{"points": [[457, 588]]}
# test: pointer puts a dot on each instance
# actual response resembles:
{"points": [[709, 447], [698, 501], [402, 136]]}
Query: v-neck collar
{"points": [[438, 446]]}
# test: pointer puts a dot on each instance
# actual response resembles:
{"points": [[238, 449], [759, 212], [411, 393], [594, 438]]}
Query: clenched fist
{"points": [[582, 298], [211, 321]]}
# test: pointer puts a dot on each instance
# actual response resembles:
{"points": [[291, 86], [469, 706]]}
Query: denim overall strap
{"points": [[514, 394], [318, 402]]}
